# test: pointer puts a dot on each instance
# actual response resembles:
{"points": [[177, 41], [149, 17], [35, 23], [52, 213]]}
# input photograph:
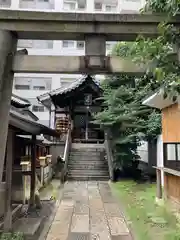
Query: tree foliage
{"points": [[162, 6], [123, 95], [161, 53], [124, 114]]}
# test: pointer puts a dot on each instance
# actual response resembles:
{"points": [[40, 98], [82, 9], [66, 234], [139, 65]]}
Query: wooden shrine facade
{"points": [[75, 106]]}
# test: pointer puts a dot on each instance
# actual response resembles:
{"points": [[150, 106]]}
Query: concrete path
{"points": [[88, 211]]}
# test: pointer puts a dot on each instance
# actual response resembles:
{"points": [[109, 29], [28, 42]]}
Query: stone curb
{"points": [[50, 220]]}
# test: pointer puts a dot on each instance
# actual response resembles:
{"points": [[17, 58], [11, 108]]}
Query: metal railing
{"points": [[66, 155], [108, 149]]}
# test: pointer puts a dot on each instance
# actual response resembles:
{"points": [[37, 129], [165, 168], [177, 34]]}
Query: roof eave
{"points": [[158, 101], [45, 100], [31, 127]]}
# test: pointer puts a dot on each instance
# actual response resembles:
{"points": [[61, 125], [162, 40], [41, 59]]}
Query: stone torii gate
{"points": [[94, 29]]}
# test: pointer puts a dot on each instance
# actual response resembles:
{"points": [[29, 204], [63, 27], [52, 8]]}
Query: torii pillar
{"points": [[8, 46]]}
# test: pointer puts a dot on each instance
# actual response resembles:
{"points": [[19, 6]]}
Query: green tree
{"points": [[123, 95], [128, 120]]}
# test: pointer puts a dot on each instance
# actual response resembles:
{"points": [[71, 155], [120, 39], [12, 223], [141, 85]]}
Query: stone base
{"points": [[159, 201], [32, 223], [16, 211], [29, 226]]}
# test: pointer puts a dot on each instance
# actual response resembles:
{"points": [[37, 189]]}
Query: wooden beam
{"points": [[33, 173], [74, 65]]}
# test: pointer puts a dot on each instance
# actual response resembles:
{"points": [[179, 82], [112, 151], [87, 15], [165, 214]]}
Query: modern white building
{"points": [[32, 85]]}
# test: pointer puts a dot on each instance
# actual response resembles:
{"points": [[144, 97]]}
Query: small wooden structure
{"points": [[168, 171], [74, 106], [21, 122]]}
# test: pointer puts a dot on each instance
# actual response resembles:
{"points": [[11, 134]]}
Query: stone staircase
{"points": [[87, 162]]}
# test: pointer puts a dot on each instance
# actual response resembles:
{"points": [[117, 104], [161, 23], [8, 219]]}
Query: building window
{"points": [[172, 155], [110, 8], [27, 0], [80, 45], [67, 44], [49, 44], [70, 80], [5, 3], [21, 87], [108, 46], [65, 82], [69, 5], [178, 151], [37, 44], [25, 43], [98, 6], [32, 83], [39, 88], [42, 44], [171, 152], [81, 4], [37, 108]]}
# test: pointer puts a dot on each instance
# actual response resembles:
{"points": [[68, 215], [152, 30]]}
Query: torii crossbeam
{"points": [[74, 26]]}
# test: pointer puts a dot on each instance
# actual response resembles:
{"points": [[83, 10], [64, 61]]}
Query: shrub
{"points": [[12, 236]]}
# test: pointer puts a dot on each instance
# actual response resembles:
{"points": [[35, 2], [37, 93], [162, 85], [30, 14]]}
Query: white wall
{"points": [[142, 151], [160, 161]]}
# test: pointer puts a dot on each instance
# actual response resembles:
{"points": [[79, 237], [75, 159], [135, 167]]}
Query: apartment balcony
{"points": [[28, 93], [88, 6], [131, 6], [53, 48], [37, 4], [5, 3]]}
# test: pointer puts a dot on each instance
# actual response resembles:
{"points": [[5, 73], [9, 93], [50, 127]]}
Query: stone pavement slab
{"points": [[80, 223], [79, 236], [88, 211]]}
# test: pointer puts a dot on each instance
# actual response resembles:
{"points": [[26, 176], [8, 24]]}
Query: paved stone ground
{"points": [[88, 211]]}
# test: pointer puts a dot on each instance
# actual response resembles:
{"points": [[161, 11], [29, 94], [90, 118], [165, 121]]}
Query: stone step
{"points": [[86, 158], [87, 178], [89, 150], [88, 172], [88, 163], [82, 164], [87, 146], [30, 226], [96, 169], [86, 153]]}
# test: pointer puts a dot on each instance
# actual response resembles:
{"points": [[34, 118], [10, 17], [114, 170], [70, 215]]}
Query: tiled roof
{"points": [[66, 89], [20, 101], [35, 124]]}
